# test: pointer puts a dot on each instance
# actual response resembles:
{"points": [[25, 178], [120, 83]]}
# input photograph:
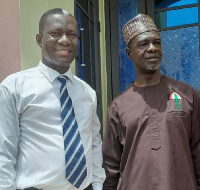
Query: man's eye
{"points": [[157, 42], [55, 34], [142, 44], [72, 35]]}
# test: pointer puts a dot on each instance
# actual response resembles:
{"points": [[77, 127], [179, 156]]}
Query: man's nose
{"points": [[64, 40], [152, 47]]}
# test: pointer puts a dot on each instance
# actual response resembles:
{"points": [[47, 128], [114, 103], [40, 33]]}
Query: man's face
{"points": [[59, 42], [146, 52]]}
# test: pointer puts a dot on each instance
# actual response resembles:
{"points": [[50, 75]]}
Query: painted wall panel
{"points": [[30, 12], [10, 38], [127, 10], [181, 55]]}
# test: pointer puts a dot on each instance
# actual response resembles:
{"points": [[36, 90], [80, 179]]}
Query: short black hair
{"points": [[47, 14]]}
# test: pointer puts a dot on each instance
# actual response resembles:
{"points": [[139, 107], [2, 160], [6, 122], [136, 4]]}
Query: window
{"points": [[175, 13]]}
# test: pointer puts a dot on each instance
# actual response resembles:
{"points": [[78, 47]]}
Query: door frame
{"points": [[112, 46]]}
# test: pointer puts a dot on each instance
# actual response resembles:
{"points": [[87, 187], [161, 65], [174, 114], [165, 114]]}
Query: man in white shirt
{"points": [[32, 154]]}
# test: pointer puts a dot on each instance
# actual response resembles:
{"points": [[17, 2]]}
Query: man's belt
{"points": [[33, 188]]}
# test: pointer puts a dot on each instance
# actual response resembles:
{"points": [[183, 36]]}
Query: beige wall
{"points": [[10, 38]]}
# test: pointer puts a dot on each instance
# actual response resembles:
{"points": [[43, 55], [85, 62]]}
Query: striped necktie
{"points": [[75, 161]]}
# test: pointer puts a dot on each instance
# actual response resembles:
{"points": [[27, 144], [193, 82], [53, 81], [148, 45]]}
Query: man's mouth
{"points": [[152, 58], [63, 52]]}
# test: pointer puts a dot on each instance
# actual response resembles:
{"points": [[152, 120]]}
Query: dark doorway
{"points": [[88, 59]]}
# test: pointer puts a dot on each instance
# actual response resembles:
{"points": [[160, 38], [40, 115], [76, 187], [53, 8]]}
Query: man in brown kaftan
{"points": [[152, 137]]}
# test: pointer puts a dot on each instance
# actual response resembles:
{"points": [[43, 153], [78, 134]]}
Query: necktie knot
{"points": [[62, 79]]}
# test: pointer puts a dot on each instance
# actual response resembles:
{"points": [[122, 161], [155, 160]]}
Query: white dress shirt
{"points": [[31, 136]]}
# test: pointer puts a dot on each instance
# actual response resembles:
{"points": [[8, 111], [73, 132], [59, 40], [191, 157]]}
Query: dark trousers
{"points": [[32, 188]]}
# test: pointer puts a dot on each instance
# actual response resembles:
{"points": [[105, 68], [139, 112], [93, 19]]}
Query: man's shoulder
{"points": [[123, 97], [19, 76], [177, 83], [182, 88]]}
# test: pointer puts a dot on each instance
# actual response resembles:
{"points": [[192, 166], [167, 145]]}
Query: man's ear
{"points": [[39, 39], [128, 52]]}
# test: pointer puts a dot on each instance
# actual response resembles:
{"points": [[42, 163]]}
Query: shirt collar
{"points": [[51, 74]]}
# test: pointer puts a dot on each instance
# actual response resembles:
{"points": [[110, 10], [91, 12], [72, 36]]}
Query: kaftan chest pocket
{"points": [[178, 118], [180, 109]]}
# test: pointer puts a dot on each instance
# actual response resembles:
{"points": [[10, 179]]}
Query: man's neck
{"points": [[148, 79]]}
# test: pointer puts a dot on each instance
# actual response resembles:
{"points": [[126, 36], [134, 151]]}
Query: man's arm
{"points": [[98, 171], [195, 141], [9, 137], [112, 150]]}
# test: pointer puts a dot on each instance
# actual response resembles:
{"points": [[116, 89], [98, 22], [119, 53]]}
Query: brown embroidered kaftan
{"points": [[152, 139]]}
